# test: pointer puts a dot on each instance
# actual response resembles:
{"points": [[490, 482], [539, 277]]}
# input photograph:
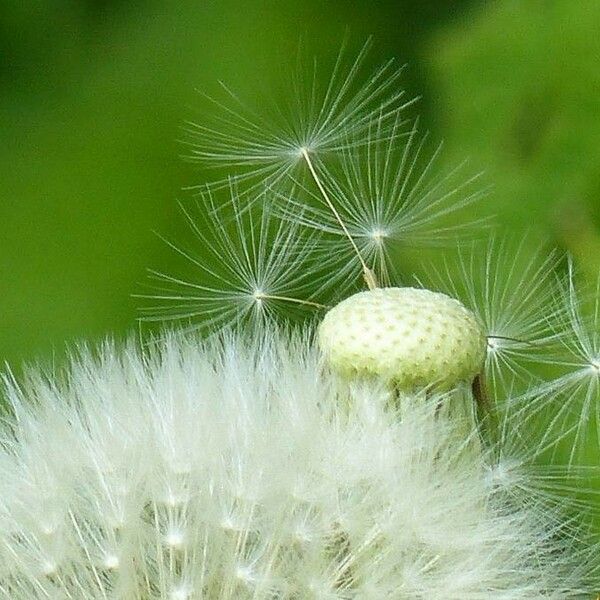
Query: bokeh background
{"points": [[93, 94]]}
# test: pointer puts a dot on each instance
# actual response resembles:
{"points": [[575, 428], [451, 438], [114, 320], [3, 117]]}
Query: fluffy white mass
{"points": [[233, 470]]}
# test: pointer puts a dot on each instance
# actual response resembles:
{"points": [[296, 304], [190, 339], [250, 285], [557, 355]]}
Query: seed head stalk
{"points": [[258, 296], [368, 273]]}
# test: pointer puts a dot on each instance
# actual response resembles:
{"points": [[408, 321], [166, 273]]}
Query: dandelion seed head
{"points": [[320, 500], [412, 337], [238, 467], [512, 292]]}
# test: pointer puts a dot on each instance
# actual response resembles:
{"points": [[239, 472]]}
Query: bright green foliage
{"points": [[518, 92]]}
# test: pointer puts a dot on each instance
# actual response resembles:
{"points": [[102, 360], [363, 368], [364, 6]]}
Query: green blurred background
{"points": [[93, 94]]}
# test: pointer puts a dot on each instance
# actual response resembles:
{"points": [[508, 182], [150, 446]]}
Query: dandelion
{"points": [[232, 469], [391, 450], [369, 194]]}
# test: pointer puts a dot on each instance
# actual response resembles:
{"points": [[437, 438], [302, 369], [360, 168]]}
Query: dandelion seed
{"points": [[362, 209], [249, 268], [572, 400], [583, 338], [267, 146], [512, 294], [517, 464], [386, 199], [175, 539], [181, 593]]}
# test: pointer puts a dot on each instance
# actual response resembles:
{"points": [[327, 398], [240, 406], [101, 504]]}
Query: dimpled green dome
{"points": [[411, 337]]}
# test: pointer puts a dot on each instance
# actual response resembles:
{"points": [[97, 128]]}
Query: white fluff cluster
{"points": [[232, 470]]}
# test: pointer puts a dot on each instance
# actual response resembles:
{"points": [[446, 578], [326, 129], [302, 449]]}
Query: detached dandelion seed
{"points": [[573, 398], [252, 264], [265, 147], [386, 196]]}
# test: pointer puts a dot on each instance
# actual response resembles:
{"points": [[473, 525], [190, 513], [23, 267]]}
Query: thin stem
{"points": [[262, 296], [368, 273], [510, 339]]}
